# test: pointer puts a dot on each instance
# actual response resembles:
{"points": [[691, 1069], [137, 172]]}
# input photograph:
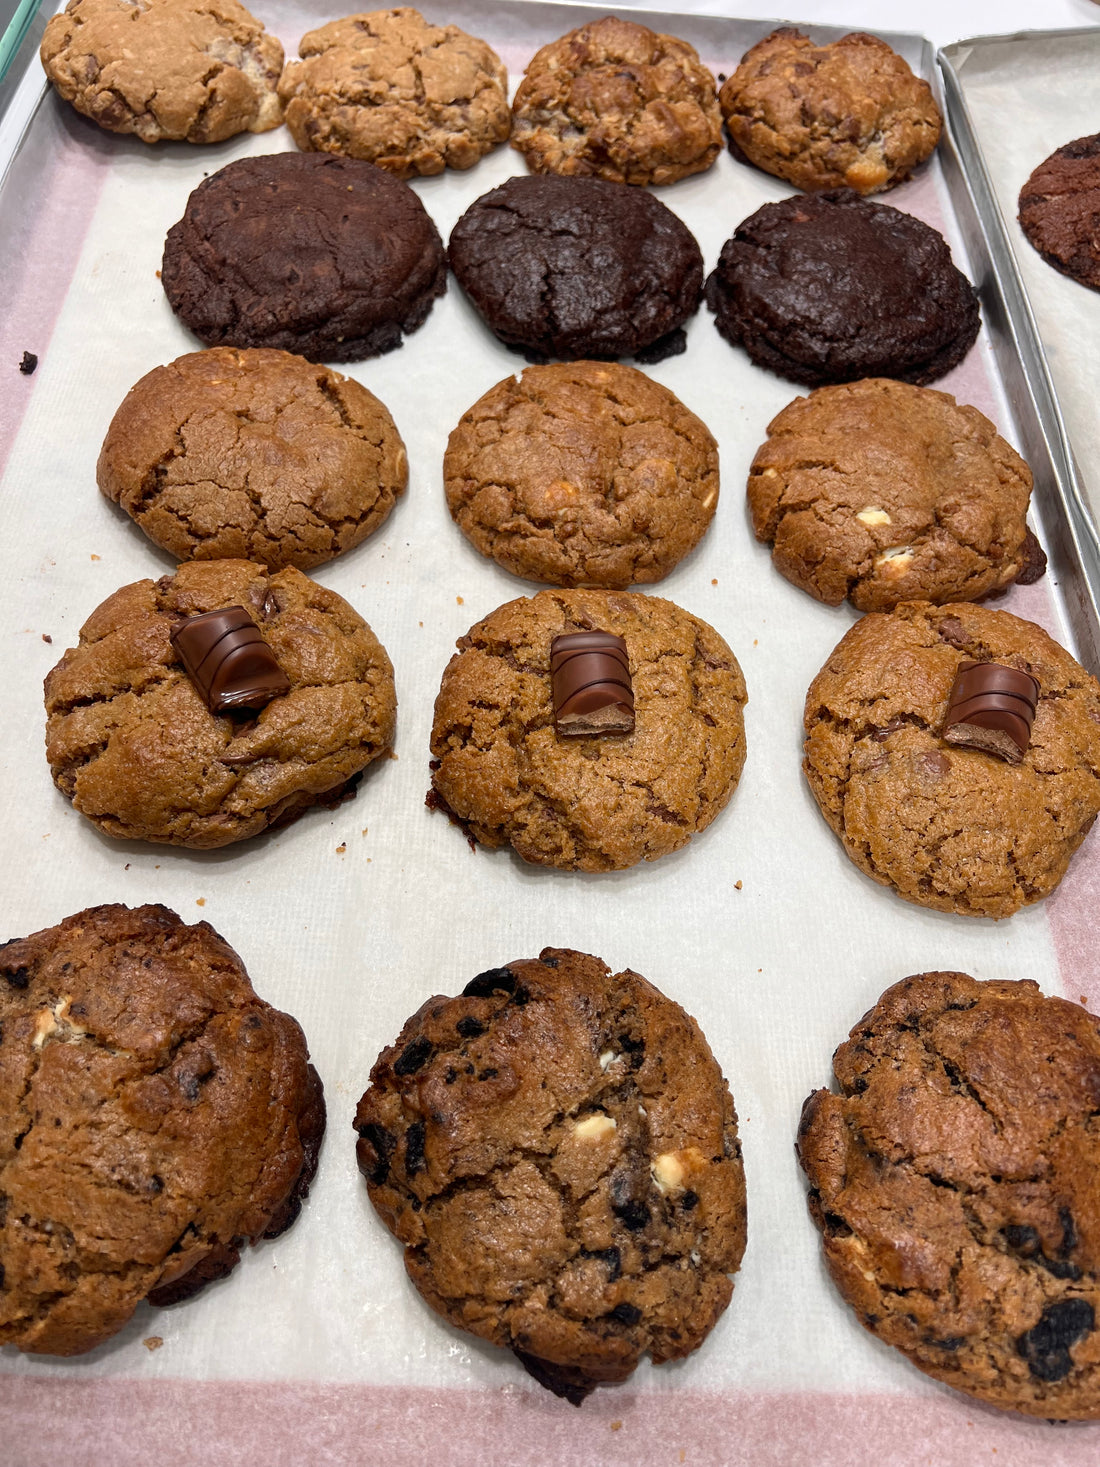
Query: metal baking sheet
{"points": [[317, 1349]]}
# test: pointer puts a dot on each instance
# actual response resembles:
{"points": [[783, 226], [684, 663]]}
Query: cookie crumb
{"points": [[153, 1342], [616, 1426], [460, 602], [47, 638], [28, 364], [1084, 1001], [714, 582], [126, 867], [157, 274], [737, 886], [95, 557], [341, 849], [200, 901], [364, 830]]}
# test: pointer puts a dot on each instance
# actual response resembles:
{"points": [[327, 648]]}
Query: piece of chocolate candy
{"points": [[225, 656], [992, 708], [590, 677]]}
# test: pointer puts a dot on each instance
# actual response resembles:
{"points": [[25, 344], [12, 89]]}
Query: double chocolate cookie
{"points": [[1060, 210], [557, 1151], [156, 1117]]}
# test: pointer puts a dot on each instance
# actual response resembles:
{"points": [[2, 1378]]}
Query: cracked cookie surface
{"points": [[253, 455], [850, 114], [590, 474], [616, 100], [597, 803], [1060, 210], [882, 492], [133, 746], [156, 1116], [387, 86], [949, 827], [328, 257], [197, 71], [557, 1151], [953, 1180]]}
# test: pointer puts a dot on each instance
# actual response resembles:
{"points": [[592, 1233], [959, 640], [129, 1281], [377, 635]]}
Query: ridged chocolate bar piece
{"points": [[590, 676], [225, 656], [992, 708]]}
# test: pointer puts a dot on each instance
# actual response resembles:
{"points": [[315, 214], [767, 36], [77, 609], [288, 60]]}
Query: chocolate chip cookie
{"points": [[389, 87], [829, 287], [578, 267], [328, 257], [847, 115], [953, 1182], [132, 743], [883, 492], [949, 827], [1060, 210], [583, 475], [557, 1150], [256, 455], [156, 1117], [601, 802], [190, 70], [615, 100]]}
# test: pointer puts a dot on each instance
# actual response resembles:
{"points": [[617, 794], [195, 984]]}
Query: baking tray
{"points": [[317, 1349]]}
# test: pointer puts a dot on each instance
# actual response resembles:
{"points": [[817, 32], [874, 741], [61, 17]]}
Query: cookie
{"points": [[598, 803], [156, 1117], [1060, 210], [255, 455], [189, 70], [556, 1149], [386, 86], [583, 475], [131, 742], [328, 257], [883, 492], [953, 1182], [946, 827], [615, 100], [577, 267], [847, 115], [829, 287]]}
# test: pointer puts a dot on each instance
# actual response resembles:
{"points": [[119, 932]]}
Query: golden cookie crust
{"points": [[388, 87], [847, 115], [197, 71]]}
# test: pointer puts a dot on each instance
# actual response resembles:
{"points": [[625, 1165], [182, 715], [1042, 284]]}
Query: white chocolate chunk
{"points": [[594, 1127], [895, 561], [607, 1059], [667, 1171], [872, 516]]}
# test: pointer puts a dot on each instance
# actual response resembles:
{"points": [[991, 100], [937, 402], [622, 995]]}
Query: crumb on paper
{"points": [[152, 1342], [714, 582], [616, 1426], [420, 623], [94, 556], [47, 638], [126, 867], [158, 274], [460, 601], [1084, 1000], [363, 831], [760, 970], [341, 849], [737, 886], [756, 641], [200, 901], [28, 364]]}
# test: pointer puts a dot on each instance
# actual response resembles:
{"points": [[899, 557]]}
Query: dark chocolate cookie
{"points": [[579, 267], [557, 1150], [329, 257], [1060, 210], [829, 287]]}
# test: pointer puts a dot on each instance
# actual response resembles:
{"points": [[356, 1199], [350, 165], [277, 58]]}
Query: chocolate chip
{"points": [[451, 1076], [414, 1148], [611, 1256], [1022, 1239], [689, 1200], [383, 1143], [489, 1073], [1046, 1345], [634, 1215], [415, 1054], [635, 1048], [835, 1225], [549, 962], [156, 1185], [493, 980], [625, 1314], [952, 1342], [28, 363], [17, 977], [1069, 1231], [470, 1027]]}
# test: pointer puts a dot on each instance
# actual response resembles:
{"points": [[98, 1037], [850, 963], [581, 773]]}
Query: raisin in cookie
{"points": [[156, 1116], [132, 744], [615, 100], [557, 1150], [582, 475], [256, 455], [884, 492], [386, 86], [599, 802], [948, 827], [847, 115], [1060, 210], [953, 1179], [191, 70]]}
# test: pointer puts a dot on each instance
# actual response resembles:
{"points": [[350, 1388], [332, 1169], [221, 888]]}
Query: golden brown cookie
{"points": [[583, 475], [155, 1116], [255, 455], [884, 492], [947, 827], [557, 1150], [387, 86], [599, 802], [615, 100], [193, 70], [847, 115], [131, 742], [953, 1180]]}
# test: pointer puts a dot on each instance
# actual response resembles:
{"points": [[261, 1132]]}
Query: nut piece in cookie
{"points": [[953, 1180], [253, 455], [884, 492], [586, 474], [1060, 210], [615, 100], [950, 827], [387, 86], [596, 803], [130, 739], [557, 1151], [187, 70], [156, 1117], [847, 115]]}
